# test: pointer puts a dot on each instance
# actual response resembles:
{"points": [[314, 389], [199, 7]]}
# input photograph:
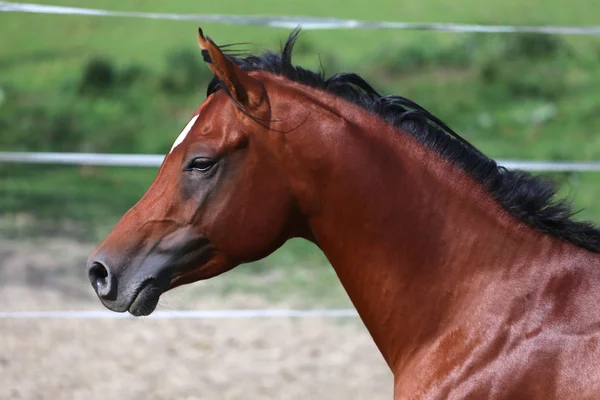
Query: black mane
{"points": [[530, 199]]}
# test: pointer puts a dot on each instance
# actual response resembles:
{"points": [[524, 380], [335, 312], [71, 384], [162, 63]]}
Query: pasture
{"points": [[121, 85], [73, 83]]}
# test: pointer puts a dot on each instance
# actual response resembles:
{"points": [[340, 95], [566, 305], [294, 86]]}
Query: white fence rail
{"points": [[307, 23], [184, 314], [109, 160], [155, 160]]}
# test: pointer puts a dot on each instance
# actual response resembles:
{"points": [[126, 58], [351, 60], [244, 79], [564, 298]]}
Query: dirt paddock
{"points": [[283, 358]]}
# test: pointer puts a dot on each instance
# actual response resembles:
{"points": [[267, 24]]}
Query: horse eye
{"points": [[201, 164]]}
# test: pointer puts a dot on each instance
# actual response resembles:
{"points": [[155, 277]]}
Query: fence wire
{"points": [[184, 314], [307, 23], [155, 160]]}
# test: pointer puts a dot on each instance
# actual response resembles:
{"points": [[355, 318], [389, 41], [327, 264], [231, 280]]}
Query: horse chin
{"points": [[213, 267], [146, 300]]}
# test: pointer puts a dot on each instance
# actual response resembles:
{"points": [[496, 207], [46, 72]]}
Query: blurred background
{"points": [[72, 83]]}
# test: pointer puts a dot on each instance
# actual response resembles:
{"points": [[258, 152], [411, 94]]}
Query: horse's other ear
{"points": [[247, 91]]}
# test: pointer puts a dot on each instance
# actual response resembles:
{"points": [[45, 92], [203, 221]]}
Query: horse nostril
{"points": [[101, 279]]}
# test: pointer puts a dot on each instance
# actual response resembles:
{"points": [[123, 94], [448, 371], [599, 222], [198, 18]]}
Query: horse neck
{"points": [[408, 233]]}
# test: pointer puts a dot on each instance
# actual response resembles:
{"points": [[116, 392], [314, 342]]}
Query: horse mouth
{"points": [[148, 292], [146, 299]]}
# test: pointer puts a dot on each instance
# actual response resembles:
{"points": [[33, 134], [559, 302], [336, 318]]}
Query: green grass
{"points": [[499, 91], [95, 198], [38, 51]]}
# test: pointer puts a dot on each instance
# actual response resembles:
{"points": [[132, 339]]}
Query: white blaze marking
{"points": [[184, 132]]}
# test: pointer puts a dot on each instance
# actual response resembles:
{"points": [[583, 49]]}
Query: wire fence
{"points": [[307, 23], [153, 160], [184, 314], [147, 160]]}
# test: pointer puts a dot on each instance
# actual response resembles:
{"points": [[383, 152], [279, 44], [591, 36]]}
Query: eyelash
{"points": [[201, 164]]}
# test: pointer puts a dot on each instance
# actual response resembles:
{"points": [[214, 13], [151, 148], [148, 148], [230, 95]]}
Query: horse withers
{"points": [[472, 280]]}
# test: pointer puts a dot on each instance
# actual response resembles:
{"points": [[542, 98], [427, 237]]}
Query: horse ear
{"points": [[246, 90]]}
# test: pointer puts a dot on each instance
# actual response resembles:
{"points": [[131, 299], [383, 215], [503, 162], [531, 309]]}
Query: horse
{"points": [[474, 281]]}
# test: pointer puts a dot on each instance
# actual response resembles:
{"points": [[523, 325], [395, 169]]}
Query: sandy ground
{"points": [[309, 358]]}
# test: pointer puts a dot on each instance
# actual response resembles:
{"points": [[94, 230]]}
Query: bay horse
{"points": [[473, 280]]}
